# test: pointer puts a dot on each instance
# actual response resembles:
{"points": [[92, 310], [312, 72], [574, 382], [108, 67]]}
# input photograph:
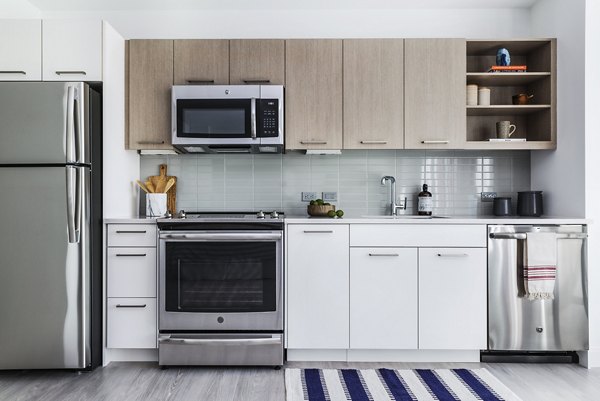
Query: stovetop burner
{"points": [[194, 217]]}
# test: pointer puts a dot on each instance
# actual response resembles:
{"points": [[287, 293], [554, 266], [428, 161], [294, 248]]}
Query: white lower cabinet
{"points": [[318, 286], [131, 270], [383, 298], [453, 298], [131, 323]]}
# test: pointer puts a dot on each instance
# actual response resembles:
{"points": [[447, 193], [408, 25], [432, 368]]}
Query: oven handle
{"points": [[221, 341], [205, 237]]}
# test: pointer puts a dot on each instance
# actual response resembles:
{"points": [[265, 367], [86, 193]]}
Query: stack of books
{"points": [[508, 68]]}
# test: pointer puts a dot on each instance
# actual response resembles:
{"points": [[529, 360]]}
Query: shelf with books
{"points": [[505, 79], [536, 120]]}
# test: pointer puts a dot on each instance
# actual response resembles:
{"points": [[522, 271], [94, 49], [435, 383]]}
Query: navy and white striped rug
{"points": [[395, 385]]}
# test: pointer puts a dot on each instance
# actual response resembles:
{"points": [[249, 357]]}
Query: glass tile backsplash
{"points": [[275, 182]]}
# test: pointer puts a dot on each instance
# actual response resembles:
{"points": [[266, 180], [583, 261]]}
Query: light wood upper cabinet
{"points": [[21, 49], [150, 77], [257, 61], [373, 94], [201, 61], [72, 50], [313, 108], [434, 93]]}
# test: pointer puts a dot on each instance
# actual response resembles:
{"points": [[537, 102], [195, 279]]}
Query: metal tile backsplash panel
{"points": [[253, 182]]}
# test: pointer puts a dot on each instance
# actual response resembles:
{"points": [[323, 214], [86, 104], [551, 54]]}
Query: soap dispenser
{"points": [[425, 205]]}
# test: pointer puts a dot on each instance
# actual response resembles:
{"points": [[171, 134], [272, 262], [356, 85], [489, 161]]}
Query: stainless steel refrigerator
{"points": [[51, 214]]}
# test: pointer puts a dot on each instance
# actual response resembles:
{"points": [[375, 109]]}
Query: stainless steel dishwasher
{"points": [[518, 324]]}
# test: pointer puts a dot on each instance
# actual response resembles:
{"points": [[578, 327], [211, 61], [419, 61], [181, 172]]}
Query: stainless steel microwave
{"points": [[227, 118]]}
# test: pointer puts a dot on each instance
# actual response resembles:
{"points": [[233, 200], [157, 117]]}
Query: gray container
{"points": [[530, 204], [502, 206]]}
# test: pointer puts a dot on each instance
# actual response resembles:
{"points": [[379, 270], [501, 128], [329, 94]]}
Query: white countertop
{"points": [[443, 220], [398, 220], [130, 220]]}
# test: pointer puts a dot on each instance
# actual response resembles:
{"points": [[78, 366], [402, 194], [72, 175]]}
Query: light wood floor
{"points": [[145, 381]]}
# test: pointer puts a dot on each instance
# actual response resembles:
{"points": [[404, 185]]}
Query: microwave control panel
{"points": [[268, 124]]}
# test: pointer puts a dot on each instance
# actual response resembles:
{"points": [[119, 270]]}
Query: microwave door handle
{"points": [[253, 118]]}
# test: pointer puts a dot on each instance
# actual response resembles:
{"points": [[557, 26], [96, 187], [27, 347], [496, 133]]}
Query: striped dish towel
{"points": [[539, 267]]}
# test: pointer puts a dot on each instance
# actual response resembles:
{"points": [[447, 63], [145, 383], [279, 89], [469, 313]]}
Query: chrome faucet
{"points": [[393, 206]]}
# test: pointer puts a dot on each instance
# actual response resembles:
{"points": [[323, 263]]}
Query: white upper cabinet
{"points": [[72, 50], [20, 50]]}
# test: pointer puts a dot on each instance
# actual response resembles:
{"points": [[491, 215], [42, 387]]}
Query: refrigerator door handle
{"points": [[70, 132], [73, 203]]}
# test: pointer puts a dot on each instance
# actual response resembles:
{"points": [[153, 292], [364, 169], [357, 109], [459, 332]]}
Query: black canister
{"points": [[502, 206], [530, 203]]}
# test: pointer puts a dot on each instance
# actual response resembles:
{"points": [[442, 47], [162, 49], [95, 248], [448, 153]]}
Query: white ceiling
{"points": [[129, 5]]}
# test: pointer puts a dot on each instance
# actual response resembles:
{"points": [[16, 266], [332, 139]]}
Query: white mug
{"points": [[504, 129]]}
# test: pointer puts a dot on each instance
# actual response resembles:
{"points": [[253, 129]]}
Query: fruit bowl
{"points": [[319, 210]]}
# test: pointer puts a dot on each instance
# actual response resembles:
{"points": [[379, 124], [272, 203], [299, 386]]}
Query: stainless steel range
{"points": [[220, 289]]}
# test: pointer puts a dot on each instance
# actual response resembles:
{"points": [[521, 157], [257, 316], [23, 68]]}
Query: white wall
{"points": [[314, 23], [121, 167], [592, 166], [18, 9], [560, 174]]}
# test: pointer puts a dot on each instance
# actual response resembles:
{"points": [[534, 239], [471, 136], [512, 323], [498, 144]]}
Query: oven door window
{"points": [[214, 118], [221, 276]]}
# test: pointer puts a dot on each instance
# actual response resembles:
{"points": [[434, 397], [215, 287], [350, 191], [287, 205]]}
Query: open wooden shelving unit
{"points": [[535, 121]]}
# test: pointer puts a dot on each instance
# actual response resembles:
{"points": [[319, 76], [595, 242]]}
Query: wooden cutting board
{"points": [[160, 181]]}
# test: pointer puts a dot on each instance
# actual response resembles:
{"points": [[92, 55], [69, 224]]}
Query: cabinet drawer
{"points": [[131, 323], [131, 272], [134, 235], [417, 235]]}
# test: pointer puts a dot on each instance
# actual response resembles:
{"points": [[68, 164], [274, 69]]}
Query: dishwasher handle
{"points": [[523, 236]]}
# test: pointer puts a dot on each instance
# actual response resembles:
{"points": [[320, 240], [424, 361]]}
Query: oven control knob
{"points": [[274, 214], [181, 214], [220, 319], [260, 215]]}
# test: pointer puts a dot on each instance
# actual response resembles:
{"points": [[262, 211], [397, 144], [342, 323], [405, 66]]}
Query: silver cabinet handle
{"points": [[318, 232], [253, 118], [313, 142], [151, 142], [373, 142], [453, 255], [384, 254], [200, 81], [222, 341], [206, 237], [256, 81], [13, 72], [440, 142], [130, 232], [71, 73], [131, 254], [131, 306]]}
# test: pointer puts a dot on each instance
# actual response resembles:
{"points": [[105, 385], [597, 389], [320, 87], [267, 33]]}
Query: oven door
{"points": [[221, 280]]}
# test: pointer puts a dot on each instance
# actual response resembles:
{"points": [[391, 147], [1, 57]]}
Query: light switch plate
{"points": [[329, 196], [308, 196]]}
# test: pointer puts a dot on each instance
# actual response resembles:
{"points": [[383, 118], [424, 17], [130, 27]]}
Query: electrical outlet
{"points": [[488, 196], [329, 196], [308, 196]]}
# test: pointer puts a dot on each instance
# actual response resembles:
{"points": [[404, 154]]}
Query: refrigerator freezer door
{"points": [[44, 123], [44, 278]]}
